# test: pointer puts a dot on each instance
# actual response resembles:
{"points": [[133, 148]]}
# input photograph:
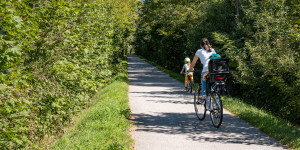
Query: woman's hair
{"points": [[204, 43]]}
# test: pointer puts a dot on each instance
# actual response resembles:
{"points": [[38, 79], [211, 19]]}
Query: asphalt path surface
{"points": [[164, 117]]}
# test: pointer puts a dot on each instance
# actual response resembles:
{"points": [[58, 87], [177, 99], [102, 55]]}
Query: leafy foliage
{"points": [[54, 55], [104, 125], [262, 44]]}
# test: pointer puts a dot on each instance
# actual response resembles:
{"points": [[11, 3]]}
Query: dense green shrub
{"points": [[53, 56], [267, 63], [262, 43]]}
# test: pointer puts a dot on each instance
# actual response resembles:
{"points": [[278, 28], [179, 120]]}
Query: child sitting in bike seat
{"points": [[213, 56], [185, 68]]}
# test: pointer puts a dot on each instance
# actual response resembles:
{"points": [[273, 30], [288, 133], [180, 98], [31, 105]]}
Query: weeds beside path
{"points": [[104, 125]]}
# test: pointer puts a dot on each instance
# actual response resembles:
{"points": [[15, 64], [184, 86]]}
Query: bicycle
{"points": [[190, 84], [215, 83]]}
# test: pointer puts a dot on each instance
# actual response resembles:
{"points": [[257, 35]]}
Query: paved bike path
{"points": [[164, 118]]}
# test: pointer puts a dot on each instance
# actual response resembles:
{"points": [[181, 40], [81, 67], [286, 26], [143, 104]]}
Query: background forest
{"points": [[54, 55], [261, 38]]}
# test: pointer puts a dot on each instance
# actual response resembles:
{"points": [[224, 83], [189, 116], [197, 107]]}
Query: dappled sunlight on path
{"points": [[164, 118]]}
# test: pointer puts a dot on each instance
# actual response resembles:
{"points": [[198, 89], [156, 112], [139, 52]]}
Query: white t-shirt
{"points": [[186, 68], [204, 55]]}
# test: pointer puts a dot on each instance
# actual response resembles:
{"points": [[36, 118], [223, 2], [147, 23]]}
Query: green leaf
{"points": [[18, 19], [14, 50]]}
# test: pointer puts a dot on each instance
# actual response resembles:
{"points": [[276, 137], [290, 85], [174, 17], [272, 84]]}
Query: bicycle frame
{"points": [[189, 78], [213, 87], [218, 71]]}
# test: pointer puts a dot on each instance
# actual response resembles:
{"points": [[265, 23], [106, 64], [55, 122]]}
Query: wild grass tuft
{"points": [[104, 125]]}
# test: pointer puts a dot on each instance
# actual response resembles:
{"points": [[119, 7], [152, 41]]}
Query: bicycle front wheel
{"points": [[200, 107], [216, 112]]}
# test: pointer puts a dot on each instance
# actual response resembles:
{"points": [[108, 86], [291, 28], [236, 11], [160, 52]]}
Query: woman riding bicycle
{"points": [[204, 53], [185, 68]]}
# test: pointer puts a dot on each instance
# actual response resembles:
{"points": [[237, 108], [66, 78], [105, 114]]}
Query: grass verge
{"points": [[271, 125], [104, 125]]}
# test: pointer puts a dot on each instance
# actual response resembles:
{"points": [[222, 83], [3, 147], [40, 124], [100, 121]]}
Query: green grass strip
{"points": [[271, 125], [104, 125]]}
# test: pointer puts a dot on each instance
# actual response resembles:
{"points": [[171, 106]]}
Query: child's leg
{"points": [[186, 78], [203, 85], [192, 78]]}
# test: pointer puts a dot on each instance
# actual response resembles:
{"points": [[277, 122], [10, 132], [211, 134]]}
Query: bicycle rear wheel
{"points": [[188, 87], [200, 108], [216, 113]]}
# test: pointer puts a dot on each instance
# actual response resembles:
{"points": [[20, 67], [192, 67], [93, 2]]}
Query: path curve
{"points": [[164, 118]]}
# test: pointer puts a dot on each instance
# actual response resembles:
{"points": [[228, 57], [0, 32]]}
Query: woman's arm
{"points": [[193, 63]]}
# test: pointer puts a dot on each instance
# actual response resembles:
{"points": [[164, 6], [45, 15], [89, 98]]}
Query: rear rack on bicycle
{"points": [[218, 69]]}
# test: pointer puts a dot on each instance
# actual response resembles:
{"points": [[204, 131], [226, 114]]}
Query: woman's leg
{"points": [[203, 85]]}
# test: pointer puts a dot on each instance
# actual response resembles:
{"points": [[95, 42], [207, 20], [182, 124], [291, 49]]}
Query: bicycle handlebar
{"points": [[196, 70]]}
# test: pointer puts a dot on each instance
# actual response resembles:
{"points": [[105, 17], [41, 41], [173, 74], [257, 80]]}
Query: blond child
{"points": [[185, 68]]}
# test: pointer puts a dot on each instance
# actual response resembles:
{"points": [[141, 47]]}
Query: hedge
{"points": [[54, 55]]}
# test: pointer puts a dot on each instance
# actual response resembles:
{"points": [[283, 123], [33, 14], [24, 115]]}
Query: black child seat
{"points": [[218, 69]]}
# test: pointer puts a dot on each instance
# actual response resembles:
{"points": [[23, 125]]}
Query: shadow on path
{"points": [[152, 92], [186, 123]]}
